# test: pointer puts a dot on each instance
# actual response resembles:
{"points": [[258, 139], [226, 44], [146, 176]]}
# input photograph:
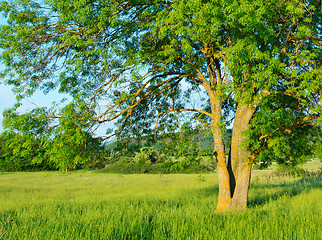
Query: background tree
{"points": [[49, 139], [21, 146], [71, 143], [158, 56]]}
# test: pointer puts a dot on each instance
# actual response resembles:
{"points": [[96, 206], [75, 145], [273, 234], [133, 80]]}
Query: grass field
{"points": [[92, 205]]}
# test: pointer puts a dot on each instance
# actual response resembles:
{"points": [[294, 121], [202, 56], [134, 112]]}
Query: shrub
{"points": [[131, 167], [289, 170], [205, 152], [146, 155]]}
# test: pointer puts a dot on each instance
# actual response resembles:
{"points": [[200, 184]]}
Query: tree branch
{"points": [[185, 109], [303, 122]]}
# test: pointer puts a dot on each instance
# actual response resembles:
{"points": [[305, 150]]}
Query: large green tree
{"points": [[257, 62]]}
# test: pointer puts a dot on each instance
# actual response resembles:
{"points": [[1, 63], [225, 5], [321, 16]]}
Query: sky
{"points": [[8, 99]]}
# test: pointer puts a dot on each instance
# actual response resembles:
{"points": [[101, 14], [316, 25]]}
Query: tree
{"points": [[149, 59], [49, 139], [22, 150]]}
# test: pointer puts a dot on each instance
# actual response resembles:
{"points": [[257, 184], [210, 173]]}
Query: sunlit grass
{"points": [[90, 205], [314, 164]]}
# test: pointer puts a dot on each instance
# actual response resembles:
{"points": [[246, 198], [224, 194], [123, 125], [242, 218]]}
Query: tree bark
{"points": [[234, 174], [224, 198]]}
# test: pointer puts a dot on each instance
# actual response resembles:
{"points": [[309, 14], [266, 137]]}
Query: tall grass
{"points": [[90, 205]]}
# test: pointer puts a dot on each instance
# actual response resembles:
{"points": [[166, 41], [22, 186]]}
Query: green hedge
{"points": [[155, 168]]}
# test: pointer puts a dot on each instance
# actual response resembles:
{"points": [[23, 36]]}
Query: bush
{"points": [[132, 168], [126, 166], [205, 152], [289, 170], [146, 155]]}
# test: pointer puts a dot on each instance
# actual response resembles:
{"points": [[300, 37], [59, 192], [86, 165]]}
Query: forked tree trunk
{"points": [[234, 174]]}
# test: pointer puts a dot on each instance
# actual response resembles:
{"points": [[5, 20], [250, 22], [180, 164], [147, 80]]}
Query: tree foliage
{"points": [[22, 153], [138, 52]]}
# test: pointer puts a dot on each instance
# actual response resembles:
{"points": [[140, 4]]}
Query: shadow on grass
{"points": [[270, 192], [263, 193]]}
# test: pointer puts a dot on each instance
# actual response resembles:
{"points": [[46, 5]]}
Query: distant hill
{"points": [[204, 141]]}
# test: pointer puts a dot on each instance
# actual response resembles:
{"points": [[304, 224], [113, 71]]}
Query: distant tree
{"points": [[22, 152], [146, 61], [40, 137], [72, 143]]}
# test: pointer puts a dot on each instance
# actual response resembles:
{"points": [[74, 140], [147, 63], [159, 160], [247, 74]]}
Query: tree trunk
{"points": [[225, 200], [234, 174]]}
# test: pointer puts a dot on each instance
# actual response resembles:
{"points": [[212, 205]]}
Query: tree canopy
{"points": [[254, 64]]}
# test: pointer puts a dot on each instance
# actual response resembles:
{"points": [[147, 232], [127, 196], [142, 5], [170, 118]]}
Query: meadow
{"points": [[94, 205]]}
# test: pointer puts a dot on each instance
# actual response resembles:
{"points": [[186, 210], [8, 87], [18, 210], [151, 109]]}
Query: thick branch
{"points": [[185, 109]]}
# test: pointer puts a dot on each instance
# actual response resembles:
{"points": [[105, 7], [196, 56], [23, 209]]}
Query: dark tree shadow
{"points": [[283, 187], [290, 189]]}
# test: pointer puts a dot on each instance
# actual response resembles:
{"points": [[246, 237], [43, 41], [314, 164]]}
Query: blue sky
{"points": [[6, 96], [8, 99]]}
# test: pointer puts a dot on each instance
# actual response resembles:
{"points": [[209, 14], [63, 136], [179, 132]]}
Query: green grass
{"points": [[91, 205], [314, 164]]}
